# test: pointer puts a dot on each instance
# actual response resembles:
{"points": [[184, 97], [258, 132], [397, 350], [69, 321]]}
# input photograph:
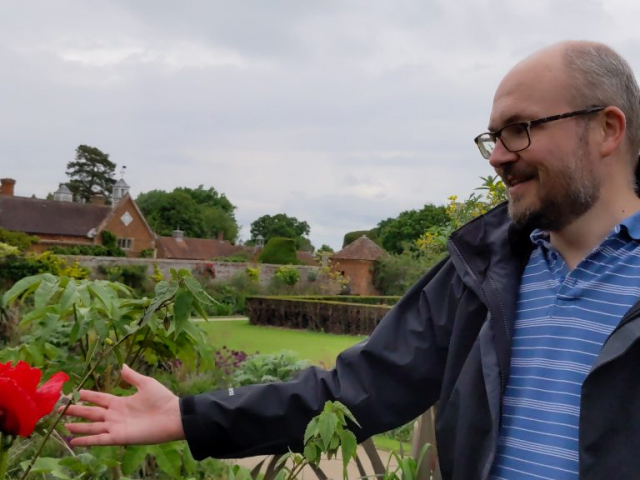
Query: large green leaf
{"points": [[327, 424], [349, 444], [182, 308], [21, 287], [45, 291]]}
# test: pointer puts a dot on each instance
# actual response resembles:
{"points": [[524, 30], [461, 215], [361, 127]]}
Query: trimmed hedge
{"points": [[279, 251], [317, 315]]}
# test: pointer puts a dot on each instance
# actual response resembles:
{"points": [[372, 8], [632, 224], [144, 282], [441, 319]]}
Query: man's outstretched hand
{"points": [[150, 416]]}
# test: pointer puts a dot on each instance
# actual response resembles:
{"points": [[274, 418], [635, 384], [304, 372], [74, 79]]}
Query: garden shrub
{"points": [[287, 275], [231, 295], [253, 273], [264, 368], [146, 253], [279, 251], [240, 257], [134, 276], [394, 274], [17, 239]]}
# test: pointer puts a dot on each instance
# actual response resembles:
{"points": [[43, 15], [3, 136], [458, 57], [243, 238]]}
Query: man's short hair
{"points": [[601, 76]]}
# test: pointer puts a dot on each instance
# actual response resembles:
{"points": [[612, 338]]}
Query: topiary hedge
{"points": [[279, 251]]}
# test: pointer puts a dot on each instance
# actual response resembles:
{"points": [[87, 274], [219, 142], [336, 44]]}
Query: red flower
{"points": [[22, 403]]}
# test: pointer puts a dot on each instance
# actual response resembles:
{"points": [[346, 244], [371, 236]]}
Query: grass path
{"points": [[319, 348]]}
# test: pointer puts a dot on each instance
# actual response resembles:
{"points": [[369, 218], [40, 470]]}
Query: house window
{"points": [[125, 243]]}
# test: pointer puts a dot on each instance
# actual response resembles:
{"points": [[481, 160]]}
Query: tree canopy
{"points": [[198, 212], [281, 225], [409, 226], [90, 173]]}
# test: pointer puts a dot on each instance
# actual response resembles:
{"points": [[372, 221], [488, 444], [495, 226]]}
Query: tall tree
{"points": [[198, 212], [90, 173], [394, 233], [281, 225]]}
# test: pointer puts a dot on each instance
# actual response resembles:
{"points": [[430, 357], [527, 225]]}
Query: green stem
{"points": [[4, 458]]}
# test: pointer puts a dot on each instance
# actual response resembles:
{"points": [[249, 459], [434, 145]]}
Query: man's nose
{"points": [[501, 155]]}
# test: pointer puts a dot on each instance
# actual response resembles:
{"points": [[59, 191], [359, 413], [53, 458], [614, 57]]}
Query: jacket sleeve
{"points": [[386, 381]]}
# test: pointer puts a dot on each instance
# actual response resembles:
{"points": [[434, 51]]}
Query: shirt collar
{"points": [[631, 225]]}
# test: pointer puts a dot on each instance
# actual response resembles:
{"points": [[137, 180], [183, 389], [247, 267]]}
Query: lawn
{"points": [[319, 348]]}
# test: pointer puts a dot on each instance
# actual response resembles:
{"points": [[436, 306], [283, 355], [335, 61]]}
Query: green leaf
{"points": [[168, 458], [311, 430], [349, 445], [311, 454], [99, 291], [198, 292], [182, 308], [133, 458], [69, 295], [119, 356], [47, 466], [45, 291], [283, 460], [327, 424], [21, 287], [347, 413]]}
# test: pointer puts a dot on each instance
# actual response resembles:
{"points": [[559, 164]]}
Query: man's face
{"points": [[553, 181]]}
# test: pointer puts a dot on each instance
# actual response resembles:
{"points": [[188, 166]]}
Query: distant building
{"points": [[356, 262], [62, 222]]}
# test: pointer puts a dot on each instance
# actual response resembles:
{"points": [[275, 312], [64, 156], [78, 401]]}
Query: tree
{"points": [[91, 173], [395, 233], [351, 237], [282, 225], [198, 212], [279, 251]]}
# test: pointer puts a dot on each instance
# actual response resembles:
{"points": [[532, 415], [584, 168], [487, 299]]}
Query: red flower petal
{"points": [[49, 393], [22, 403], [19, 411]]}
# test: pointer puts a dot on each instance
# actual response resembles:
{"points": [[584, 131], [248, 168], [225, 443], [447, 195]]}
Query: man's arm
{"points": [[385, 381]]}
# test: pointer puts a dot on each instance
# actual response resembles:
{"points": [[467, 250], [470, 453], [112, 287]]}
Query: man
{"points": [[526, 334]]}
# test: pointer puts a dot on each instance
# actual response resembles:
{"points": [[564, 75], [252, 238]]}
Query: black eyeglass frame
{"points": [[494, 136]]}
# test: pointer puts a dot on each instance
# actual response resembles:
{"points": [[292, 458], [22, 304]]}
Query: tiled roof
{"points": [[194, 248], [32, 215], [306, 258], [361, 249]]}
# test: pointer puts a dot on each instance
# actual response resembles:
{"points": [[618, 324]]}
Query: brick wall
{"points": [[360, 273]]}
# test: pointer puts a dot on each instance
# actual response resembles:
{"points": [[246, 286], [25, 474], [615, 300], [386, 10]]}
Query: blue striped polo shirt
{"points": [[562, 320]]}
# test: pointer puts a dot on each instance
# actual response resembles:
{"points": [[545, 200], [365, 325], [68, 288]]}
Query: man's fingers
{"points": [[93, 414], [82, 428], [93, 440], [97, 398]]}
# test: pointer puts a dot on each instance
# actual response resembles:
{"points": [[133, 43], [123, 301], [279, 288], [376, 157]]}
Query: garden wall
{"points": [[324, 316], [223, 270]]}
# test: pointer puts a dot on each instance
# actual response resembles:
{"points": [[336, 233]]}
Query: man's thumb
{"points": [[131, 376]]}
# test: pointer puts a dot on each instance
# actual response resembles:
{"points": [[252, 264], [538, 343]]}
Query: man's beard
{"points": [[569, 193]]}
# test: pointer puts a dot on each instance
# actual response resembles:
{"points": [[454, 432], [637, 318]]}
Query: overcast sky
{"points": [[340, 113]]}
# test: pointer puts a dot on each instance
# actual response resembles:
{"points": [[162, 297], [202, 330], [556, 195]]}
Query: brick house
{"points": [[355, 261], [62, 222]]}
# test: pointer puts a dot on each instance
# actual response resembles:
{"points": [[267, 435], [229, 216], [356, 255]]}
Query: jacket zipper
{"points": [[470, 272]]}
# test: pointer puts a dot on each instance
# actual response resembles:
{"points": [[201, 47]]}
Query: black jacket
{"points": [[448, 340]]}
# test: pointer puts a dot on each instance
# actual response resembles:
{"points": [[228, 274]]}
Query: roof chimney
{"points": [[178, 235], [7, 186]]}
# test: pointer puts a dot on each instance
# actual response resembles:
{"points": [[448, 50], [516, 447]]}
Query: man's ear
{"points": [[613, 127]]}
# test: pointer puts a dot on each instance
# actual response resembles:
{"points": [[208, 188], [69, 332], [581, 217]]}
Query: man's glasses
{"points": [[516, 137]]}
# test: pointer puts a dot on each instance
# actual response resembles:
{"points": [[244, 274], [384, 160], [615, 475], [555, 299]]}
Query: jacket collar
{"points": [[490, 254]]}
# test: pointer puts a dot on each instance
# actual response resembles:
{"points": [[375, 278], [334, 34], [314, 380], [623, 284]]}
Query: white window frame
{"points": [[125, 243]]}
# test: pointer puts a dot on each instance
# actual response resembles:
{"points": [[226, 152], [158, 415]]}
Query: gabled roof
{"points": [[361, 249], [51, 217], [194, 248]]}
